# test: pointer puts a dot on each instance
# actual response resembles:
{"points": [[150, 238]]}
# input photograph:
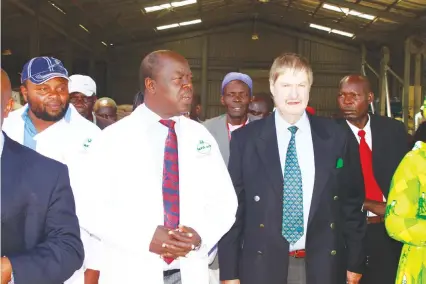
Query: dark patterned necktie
{"points": [[293, 226], [170, 179]]}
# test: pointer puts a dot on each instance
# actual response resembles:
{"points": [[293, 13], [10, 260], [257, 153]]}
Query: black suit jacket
{"points": [[254, 250], [40, 233], [389, 145]]}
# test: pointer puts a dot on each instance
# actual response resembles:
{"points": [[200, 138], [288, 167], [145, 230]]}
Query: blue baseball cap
{"points": [[240, 77], [41, 69]]}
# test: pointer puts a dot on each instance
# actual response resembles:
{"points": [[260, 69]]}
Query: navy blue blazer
{"points": [[40, 232]]}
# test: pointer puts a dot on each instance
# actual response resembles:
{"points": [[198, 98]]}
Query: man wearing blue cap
{"points": [[40, 236], [237, 91], [50, 125]]}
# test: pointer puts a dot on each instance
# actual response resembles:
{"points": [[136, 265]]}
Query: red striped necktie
{"points": [[170, 179]]}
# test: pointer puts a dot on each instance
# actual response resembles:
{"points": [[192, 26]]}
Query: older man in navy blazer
{"points": [[40, 234]]}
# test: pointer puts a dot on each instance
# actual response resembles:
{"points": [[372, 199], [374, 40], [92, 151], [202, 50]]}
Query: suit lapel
{"points": [[323, 156], [267, 147], [377, 148]]}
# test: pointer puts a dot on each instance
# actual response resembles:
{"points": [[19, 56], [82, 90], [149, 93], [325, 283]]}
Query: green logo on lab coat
{"points": [[87, 143], [204, 147]]}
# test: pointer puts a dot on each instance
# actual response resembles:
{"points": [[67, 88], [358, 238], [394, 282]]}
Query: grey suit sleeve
{"points": [[61, 251]]}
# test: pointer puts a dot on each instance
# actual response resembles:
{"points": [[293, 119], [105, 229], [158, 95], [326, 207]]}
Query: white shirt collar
{"points": [[151, 117], [356, 129], [302, 124]]}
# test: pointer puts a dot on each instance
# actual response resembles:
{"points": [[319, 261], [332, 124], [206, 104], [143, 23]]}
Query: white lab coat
{"points": [[129, 202], [68, 143]]}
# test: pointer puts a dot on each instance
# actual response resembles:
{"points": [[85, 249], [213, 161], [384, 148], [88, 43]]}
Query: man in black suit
{"points": [[40, 234], [377, 145], [299, 220]]}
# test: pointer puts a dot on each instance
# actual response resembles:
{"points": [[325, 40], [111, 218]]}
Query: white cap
{"points": [[82, 84]]}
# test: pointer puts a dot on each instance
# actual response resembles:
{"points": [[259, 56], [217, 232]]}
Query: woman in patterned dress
{"points": [[406, 215]]}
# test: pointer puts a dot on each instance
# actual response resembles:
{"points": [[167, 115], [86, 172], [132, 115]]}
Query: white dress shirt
{"points": [[369, 140], [305, 157], [128, 200], [158, 135]]}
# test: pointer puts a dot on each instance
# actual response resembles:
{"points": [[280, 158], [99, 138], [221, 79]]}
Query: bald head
{"points": [[166, 81], [153, 63], [6, 95], [106, 108], [356, 80]]}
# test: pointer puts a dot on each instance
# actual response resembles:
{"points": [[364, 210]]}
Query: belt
{"points": [[298, 253], [375, 220], [168, 273]]}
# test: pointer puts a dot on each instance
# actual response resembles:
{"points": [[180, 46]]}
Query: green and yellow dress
{"points": [[406, 215]]}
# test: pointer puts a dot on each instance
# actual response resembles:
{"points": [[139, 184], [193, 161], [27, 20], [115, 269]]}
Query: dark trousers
{"points": [[382, 256]]}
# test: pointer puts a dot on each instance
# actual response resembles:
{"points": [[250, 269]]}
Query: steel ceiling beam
{"points": [[368, 10], [229, 27]]}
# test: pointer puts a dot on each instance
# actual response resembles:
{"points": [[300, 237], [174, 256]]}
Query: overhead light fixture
{"points": [[56, 7], [165, 27], [255, 36], [318, 27], [104, 43], [84, 28], [347, 11], [175, 25], [183, 3], [111, 44], [330, 30], [339, 32], [169, 5], [190, 22]]}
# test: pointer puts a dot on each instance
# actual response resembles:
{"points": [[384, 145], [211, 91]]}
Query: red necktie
{"points": [[372, 189], [170, 179]]}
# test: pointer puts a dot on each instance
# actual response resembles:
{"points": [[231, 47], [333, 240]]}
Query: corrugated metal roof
{"points": [[125, 21]]}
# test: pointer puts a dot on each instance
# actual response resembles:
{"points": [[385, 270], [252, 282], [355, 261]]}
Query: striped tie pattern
{"points": [[170, 179]]}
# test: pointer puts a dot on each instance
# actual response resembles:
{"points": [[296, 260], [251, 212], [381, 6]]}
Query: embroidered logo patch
{"points": [[204, 147]]}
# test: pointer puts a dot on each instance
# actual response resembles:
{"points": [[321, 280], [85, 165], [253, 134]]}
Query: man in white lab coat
{"points": [[51, 126], [173, 174]]}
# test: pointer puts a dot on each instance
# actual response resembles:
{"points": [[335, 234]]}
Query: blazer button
{"points": [[332, 225], [336, 198], [262, 226], [256, 198], [333, 252]]}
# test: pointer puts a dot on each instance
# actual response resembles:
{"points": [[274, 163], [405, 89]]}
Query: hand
{"points": [[165, 245], [352, 277], [235, 281], [91, 276], [378, 208], [6, 270], [185, 239]]}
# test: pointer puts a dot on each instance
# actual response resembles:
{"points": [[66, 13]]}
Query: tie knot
{"points": [[361, 133], [168, 123], [293, 129]]}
